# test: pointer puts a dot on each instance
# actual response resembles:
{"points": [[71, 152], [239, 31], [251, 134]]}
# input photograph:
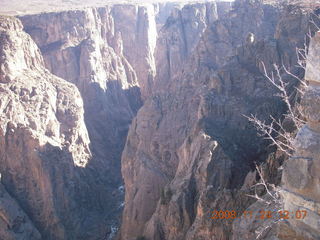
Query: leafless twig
{"points": [[271, 190]]}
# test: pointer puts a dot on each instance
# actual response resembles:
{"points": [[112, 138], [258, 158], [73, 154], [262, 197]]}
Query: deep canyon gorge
{"points": [[128, 121]]}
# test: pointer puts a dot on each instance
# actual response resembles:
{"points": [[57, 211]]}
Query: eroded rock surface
{"points": [[15, 224], [108, 53], [83, 47], [301, 172], [44, 141], [190, 149]]}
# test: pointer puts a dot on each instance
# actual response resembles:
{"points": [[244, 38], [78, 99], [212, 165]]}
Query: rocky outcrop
{"points": [[83, 47], [44, 142], [136, 25], [190, 151], [295, 196], [301, 172]]}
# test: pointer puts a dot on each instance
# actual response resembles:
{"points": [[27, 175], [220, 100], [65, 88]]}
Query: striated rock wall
{"points": [[108, 53], [190, 150], [156, 133], [179, 37], [136, 25]]}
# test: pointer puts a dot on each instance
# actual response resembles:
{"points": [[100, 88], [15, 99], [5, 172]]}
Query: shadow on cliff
{"points": [[246, 92], [108, 116], [84, 202]]}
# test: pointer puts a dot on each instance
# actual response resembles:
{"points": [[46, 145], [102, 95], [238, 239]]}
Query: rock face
{"points": [[136, 26], [190, 151], [70, 95], [179, 37], [44, 142], [301, 172], [15, 224], [84, 48], [108, 53]]}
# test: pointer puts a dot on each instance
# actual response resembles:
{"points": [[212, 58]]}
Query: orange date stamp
{"points": [[261, 214]]}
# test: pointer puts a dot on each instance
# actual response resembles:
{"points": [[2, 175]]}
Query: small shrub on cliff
{"points": [[281, 132]]}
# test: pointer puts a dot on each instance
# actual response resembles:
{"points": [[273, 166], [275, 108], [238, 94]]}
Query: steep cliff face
{"points": [[136, 25], [190, 150], [84, 48], [108, 53], [15, 224], [298, 191], [301, 172], [179, 37], [44, 142], [155, 134]]}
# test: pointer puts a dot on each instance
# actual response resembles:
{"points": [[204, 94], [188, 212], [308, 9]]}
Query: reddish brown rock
{"points": [[44, 142], [190, 149]]}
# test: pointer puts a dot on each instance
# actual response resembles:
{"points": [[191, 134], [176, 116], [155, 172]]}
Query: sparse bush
{"points": [[279, 132]]}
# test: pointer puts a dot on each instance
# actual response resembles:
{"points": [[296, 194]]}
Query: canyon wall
{"points": [[44, 143], [84, 48], [166, 88], [190, 150], [300, 181], [297, 197], [109, 54]]}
